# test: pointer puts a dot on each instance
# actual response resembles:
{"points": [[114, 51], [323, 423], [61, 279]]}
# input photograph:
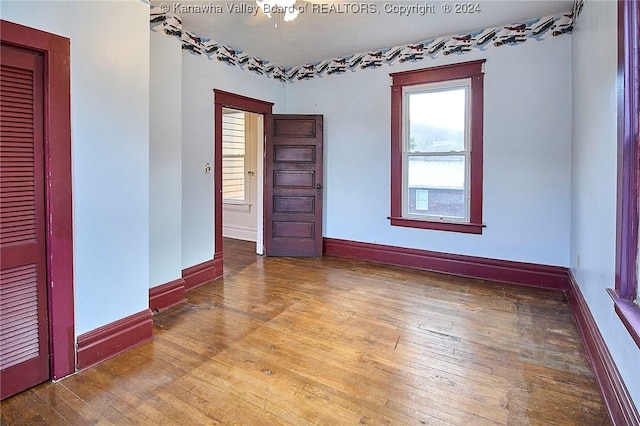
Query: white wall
{"points": [[165, 160], [110, 150], [593, 198], [527, 132], [200, 76]]}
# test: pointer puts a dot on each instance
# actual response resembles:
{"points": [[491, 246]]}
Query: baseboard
{"points": [[529, 274], [203, 273], [113, 339], [167, 295], [239, 233], [616, 396]]}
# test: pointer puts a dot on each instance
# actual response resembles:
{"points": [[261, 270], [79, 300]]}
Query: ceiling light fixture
{"points": [[288, 7]]}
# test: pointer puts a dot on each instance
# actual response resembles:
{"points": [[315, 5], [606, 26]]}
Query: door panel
{"points": [[24, 346], [293, 185]]}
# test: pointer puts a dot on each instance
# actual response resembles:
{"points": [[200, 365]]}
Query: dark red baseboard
{"points": [[529, 274], [616, 396], [113, 339], [203, 273], [167, 295]]}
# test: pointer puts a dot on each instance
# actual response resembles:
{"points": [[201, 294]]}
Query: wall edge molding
{"points": [[239, 232], [113, 339], [202, 273], [507, 271], [620, 406], [509, 34], [167, 295]]}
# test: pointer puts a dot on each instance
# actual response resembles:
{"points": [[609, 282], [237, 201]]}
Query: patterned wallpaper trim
{"points": [[458, 44]]}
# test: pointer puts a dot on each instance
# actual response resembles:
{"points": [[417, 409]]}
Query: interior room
{"points": [[228, 212]]}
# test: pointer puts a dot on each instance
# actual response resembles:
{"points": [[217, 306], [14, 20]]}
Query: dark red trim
{"points": [[437, 74], [115, 338], [217, 177], [164, 296], [627, 217], [529, 274], [57, 128], [468, 228], [628, 312], [627, 212], [616, 396], [203, 273], [474, 71], [244, 103], [229, 100]]}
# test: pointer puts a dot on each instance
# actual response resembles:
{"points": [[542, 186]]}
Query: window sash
{"points": [[407, 152], [234, 185]]}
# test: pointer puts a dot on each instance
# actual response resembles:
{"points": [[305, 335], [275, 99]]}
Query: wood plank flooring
{"points": [[337, 342]]}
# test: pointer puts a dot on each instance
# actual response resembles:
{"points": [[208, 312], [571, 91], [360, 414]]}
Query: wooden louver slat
{"points": [[17, 157], [19, 312]]}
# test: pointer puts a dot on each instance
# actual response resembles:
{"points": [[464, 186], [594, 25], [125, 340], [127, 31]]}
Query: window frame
{"points": [[472, 71], [627, 218]]}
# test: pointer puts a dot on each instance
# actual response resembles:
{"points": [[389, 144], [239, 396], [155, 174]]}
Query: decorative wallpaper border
{"points": [[489, 38]]}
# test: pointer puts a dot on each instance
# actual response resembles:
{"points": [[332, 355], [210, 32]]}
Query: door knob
{"points": [[319, 187]]}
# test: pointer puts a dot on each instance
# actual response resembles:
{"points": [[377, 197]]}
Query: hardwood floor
{"points": [[238, 254], [337, 342]]}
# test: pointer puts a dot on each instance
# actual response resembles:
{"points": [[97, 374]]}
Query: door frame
{"points": [[58, 181], [222, 100]]}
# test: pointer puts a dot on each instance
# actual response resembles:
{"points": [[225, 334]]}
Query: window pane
{"points": [[233, 178], [233, 151], [422, 199], [233, 133], [437, 121], [436, 186]]}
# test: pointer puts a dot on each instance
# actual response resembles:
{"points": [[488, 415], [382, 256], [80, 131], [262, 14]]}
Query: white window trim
{"points": [[245, 156], [436, 87]]}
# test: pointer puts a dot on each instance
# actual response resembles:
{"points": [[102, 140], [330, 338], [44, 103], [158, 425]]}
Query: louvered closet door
{"points": [[24, 349]]}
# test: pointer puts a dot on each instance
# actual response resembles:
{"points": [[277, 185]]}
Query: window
{"points": [[233, 156], [625, 295], [436, 148]]}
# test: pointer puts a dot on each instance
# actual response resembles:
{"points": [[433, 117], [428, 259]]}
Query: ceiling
{"points": [[322, 32]]}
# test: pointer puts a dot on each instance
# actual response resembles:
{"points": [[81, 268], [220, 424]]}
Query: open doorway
{"points": [[242, 135], [239, 200]]}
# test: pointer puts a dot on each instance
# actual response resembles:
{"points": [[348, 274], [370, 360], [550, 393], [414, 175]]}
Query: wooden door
{"points": [[24, 344], [293, 185]]}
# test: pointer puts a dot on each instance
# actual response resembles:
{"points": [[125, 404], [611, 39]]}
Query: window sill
{"points": [[629, 313], [466, 228]]}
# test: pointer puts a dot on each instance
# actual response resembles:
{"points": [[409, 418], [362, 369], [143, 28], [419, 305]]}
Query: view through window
{"points": [[233, 155]]}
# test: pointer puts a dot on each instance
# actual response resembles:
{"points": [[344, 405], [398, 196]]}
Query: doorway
{"points": [[291, 198], [254, 110], [242, 135]]}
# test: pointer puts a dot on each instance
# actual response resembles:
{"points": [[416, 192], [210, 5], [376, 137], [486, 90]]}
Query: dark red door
{"points": [[293, 185], [24, 345]]}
